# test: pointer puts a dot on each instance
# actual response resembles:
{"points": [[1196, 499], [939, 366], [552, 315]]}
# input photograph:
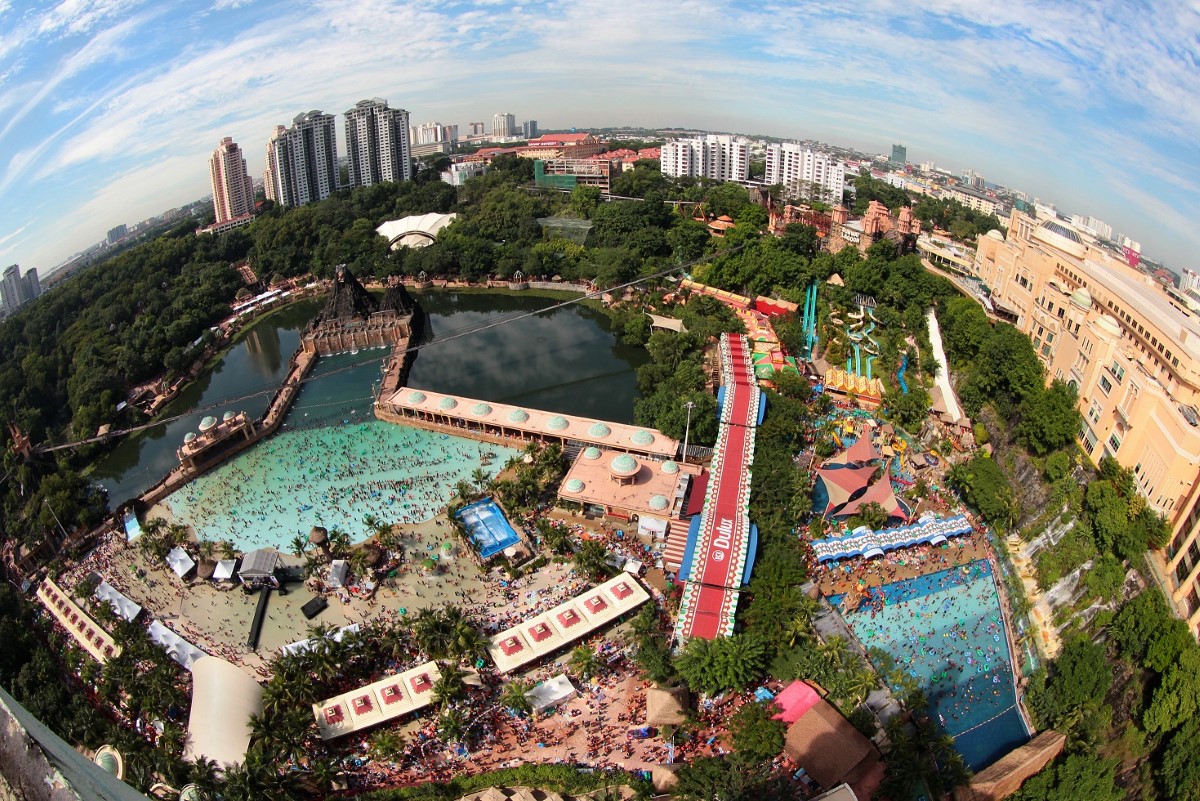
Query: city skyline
{"points": [[111, 107]]}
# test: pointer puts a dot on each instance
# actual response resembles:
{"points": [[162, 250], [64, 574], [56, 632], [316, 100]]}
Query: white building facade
{"points": [[271, 171], [808, 174], [306, 166], [715, 156], [377, 143]]}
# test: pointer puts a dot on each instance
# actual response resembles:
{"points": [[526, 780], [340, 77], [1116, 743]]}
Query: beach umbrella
{"points": [[429, 565], [448, 547]]}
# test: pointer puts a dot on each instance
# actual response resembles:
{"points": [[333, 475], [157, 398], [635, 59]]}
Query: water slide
{"points": [[943, 376], [900, 373], [873, 348]]}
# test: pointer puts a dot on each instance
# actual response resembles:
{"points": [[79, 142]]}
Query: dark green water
{"points": [[567, 361]]}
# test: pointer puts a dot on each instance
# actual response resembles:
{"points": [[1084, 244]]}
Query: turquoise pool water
{"points": [[489, 528], [946, 630]]}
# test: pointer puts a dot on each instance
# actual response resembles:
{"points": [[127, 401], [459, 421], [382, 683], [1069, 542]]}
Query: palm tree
{"points": [[450, 685], [480, 477], [452, 726], [464, 490], [515, 696], [207, 549], [832, 649], [385, 744], [465, 641], [324, 772], [299, 545], [591, 559], [556, 538], [585, 662]]}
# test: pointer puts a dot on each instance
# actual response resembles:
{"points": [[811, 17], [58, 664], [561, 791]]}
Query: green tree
{"points": [[584, 200], [1177, 699], [591, 559], [585, 662], [515, 696], [729, 778], [1075, 777], [756, 733], [726, 663], [1179, 771], [1050, 418]]}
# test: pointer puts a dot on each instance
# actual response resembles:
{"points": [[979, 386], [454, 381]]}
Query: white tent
{"points": [[633, 566], [551, 693], [416, 231], [338, 569], [176, 647], [259, 564], [180, 562], [120, 604], [223, 699], [225, 570], [301, 646], [652, 527]]}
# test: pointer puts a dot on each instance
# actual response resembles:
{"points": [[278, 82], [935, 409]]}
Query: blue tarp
{"points": [[762, 408]]}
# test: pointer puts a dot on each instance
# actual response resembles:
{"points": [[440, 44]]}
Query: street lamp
{"points": [[688, 429]]}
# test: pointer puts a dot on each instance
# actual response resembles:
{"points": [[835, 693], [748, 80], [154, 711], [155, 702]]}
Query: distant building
{"points": [[973, 199], [899, 154], [476, 129], [460, 173], [271, 173], [716, 157], [562, 146], [529, 129], [450, 134], [504, 126], [428, 133], [1190, 280], [117, 233], [232, 187], [808, 174], [377, 143], [306, 165], [1090, 225], [16, 291], [570, 173]]}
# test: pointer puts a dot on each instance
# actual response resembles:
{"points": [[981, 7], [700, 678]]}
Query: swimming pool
{"points": [[945, 630], [489, 528], [333, 477]]}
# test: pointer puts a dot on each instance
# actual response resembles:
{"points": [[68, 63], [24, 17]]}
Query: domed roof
{"points": [[1082, 298], [109, 759], [518, 416], [207, 423], [591, 453], [228, 416], [419, 397], [624, 465], [1109, 325], [658, 502], [1056, 235], [189, 436], [574, 485], [416, 231], [1061, 230], [670, 467], [481, 410], [599, 430], [447, 403], [994, 234], [108, 762], [642, 437], [557, 423], [191, 792]]}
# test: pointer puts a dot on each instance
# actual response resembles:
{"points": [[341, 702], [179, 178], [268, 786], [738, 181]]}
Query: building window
{"points": [[1094, 411], [1050, 337], [1089, 439], [1117, 370], [1046, 350], [1105, 384], [1114, 442]]}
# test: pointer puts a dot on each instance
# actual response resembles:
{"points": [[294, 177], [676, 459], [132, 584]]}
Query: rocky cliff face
{"points": [[348, 300], [397, 299]]}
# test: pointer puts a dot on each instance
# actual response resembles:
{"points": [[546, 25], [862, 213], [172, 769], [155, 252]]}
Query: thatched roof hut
{"points": [[666, 706]]}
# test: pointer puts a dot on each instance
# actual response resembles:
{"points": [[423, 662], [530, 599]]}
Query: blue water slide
{"points": [[900, 373], [752, 549], [720, 400], [685, 567], [762, 408]]}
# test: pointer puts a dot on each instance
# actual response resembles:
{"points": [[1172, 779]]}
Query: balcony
{"points": [[1123, 414]]}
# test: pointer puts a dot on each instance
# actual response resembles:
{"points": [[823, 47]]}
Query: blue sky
{"points": [[110, 108]]}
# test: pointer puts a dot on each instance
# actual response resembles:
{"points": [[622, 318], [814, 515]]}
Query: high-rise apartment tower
{"points": [[233, 189], [377, 143], [306, 167]]}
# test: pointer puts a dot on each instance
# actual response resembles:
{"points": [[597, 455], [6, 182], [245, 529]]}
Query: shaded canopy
{"points": [[881, 493], [862, 451], [840, 483]]}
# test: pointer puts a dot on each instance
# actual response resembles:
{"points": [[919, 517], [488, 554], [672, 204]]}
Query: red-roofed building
{"points": [[391, 694], [622, 591], [557, 146], [540, 632], [595, 604], [363, 704], [421, 683], [568, 618], [333, 715], [511, 646]]}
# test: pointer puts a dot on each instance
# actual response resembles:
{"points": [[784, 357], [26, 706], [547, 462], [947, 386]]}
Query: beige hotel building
{"points": [[1132, 350]]}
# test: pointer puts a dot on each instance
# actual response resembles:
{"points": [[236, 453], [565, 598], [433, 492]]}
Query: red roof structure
{"points": [[622, 591], [511, 646], [421, 683], [391, 694], [881, 493], [796, 699], [540, 632], [568, 618], [841, 483], [862, 451], [595, 603]]}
